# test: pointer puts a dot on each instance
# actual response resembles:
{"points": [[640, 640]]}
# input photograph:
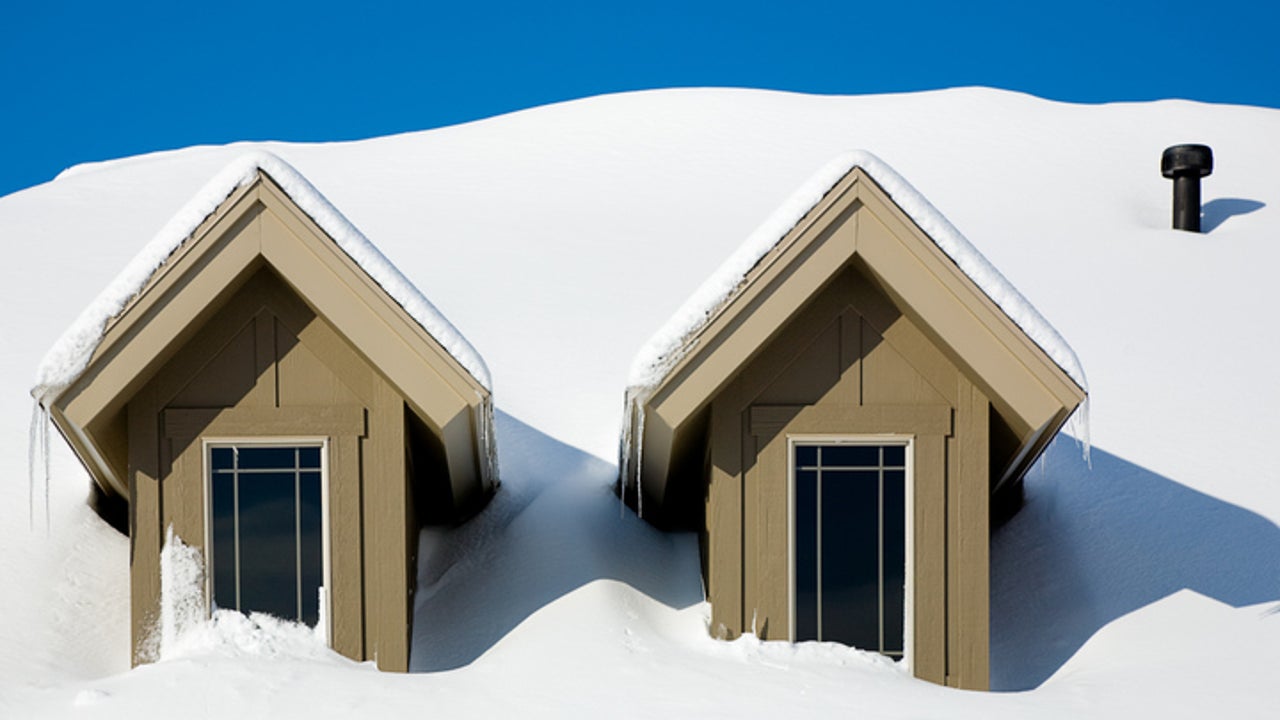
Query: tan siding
{"points": [[304, 379], [929, 593], [724, 522], [184, 492], [386, 588], [967, 526], [228, 375], [816, 370], [831, 371], [145, 537], [346, 547], [888, 378], [296, 393]]}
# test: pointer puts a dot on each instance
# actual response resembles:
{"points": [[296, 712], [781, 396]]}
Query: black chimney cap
{"points": [[1194, 160]]}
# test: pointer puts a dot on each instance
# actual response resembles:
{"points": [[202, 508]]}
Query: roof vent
{"points": [[1186, 164]]}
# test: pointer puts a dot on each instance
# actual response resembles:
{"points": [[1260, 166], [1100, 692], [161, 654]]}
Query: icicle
{"points": [[490, 440], [45, 422], [632, 427], [38, 473], [32, 449], [1079, 426], [639, 460]]}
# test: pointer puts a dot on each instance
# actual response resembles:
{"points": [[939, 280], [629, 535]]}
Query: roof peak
{"points": [[70, 354]]}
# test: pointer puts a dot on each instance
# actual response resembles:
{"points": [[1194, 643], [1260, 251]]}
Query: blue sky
{"points": [[91, 81]]}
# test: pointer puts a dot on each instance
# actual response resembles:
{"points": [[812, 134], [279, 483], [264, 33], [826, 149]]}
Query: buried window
{"points": [[849, 544], [266, 529]]}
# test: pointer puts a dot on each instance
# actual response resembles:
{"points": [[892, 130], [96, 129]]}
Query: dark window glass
{"points": [[806, 455], [221, 458], [850, 546], [806, 568], [895, 559], [850, 562], [895, 456], [861, 456], [311, 544], [268, 545], [267, 458], [267, 537], [309, 458], [223, 535]]}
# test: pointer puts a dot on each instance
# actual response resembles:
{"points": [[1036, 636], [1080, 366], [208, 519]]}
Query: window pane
{"points": [[863, 456], [806, 455], [806, 555], [220, 458], [895, 559], [850, 572], [222, 486], [267, 458], [895, 456], [309, 458], [268, 551], [310, 545]]}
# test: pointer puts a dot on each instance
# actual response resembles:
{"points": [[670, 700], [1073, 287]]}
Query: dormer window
{"points": [[266, 550]]}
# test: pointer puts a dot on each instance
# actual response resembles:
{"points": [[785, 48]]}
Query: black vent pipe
{"points": [[1186, 164]]}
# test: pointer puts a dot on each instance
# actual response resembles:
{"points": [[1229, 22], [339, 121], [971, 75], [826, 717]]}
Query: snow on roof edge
{"points": [[676, 338], [70, 354]]}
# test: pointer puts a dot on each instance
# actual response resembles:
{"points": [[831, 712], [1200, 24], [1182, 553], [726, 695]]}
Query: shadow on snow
{"points": [[1092, 545], [554, 526], [1216, 211]]}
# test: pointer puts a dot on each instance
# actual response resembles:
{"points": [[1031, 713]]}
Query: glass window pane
{"points": [[267, 458], [222, 516], [268, 548], [806, 568], [895, 559], [862, 456], [850, 568], [895, 456], [806, 455], [309, 458], [220, 458], [310, 545]]}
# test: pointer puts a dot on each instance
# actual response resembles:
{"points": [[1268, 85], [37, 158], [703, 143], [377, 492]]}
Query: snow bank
{"points": [[71, 353], [181, 595], [672, 341], [185, 629]]}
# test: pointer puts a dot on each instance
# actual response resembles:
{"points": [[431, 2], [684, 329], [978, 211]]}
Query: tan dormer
{"points": [[839, 430]]}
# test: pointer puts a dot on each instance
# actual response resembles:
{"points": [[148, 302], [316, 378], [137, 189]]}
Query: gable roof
{"points": [[166, 291], [961, 302], [70, 354], [678, 335]]}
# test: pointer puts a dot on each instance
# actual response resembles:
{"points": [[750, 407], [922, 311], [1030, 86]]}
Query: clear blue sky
{"points": [[96, 80]]}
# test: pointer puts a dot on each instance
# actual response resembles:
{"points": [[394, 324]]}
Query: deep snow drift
{"points": [[559, 239]]}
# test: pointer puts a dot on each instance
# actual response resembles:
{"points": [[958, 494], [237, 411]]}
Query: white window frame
{"points": [[908, 595], [207, 444]]}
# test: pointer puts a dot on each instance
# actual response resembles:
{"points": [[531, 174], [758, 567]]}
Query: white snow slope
{"points": [[558, 240]]}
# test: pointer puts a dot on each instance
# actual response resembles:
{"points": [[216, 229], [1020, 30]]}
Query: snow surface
{"points": [[71, 353], [1147, 585]]}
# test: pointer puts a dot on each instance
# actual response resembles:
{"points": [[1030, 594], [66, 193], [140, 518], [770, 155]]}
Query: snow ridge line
{"points": [[676, 338], [70, 355]]}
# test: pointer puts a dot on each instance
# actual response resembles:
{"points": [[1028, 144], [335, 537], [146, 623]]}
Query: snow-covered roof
{"points": [[70, 355], [675, 339]]}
